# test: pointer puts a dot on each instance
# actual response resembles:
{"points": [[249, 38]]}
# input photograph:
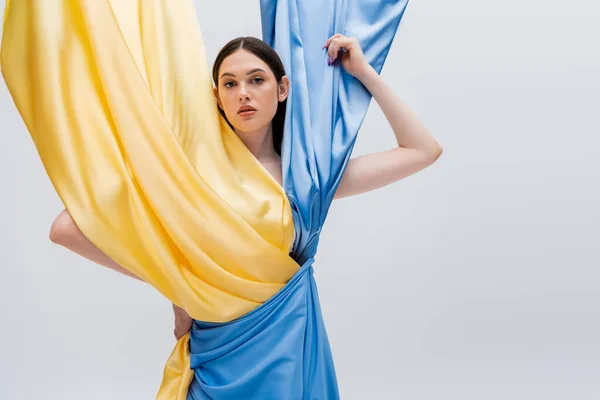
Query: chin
{"points": [[250, 124]]}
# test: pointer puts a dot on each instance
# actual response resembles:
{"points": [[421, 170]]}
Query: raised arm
{"points": [[417, 148]]}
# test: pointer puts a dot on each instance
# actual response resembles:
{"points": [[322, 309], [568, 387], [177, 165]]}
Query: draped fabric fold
{"points": [[279, 350], [327, 105], [117, 96]]}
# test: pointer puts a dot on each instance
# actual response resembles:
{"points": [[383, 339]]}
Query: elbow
{"points": [[435, 153], [61, 228]]}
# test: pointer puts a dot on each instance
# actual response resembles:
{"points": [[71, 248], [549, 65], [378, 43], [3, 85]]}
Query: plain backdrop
{"points": [[476, 278]]}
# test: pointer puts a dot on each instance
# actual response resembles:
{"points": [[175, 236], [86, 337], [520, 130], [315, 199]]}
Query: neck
{"points": [[259, 142]]}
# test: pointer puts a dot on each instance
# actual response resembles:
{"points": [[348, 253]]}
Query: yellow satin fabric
{"points": [[177, 375], [117, 96]]}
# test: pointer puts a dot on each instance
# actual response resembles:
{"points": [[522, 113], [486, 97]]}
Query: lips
{"points": [[246, 108]]}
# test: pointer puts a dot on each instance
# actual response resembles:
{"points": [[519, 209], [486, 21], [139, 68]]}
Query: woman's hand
{"points": [[183, 322], [352, 58]]}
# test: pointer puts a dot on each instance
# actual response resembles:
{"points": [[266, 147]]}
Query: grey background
{"points": [[476, 278]]}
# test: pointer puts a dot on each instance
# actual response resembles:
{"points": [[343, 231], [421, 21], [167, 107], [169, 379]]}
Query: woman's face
{"points": [[247, 82]]}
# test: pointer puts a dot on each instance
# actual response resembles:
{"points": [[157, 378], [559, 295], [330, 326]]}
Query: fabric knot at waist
{"points": [[282, 342]]}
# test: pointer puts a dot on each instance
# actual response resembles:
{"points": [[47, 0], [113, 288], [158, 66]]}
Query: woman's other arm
{"points": [[417, 148], [65, 232]]}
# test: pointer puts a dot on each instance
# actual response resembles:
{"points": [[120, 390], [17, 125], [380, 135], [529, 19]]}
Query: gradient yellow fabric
{"points": [[117, 96]]}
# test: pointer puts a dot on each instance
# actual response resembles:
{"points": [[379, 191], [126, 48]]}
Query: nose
{"points": [[243, 94]]}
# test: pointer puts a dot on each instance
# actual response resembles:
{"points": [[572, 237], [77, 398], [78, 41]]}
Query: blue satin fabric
{"points": [[280, 350], [326, 106], [277, 351]]}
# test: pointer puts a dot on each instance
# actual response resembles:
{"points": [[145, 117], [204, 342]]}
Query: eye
{"points": [[258, 80], [228, 84]]}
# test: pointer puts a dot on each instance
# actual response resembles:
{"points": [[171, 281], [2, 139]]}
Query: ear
{"points": [[216, 93], [283, 89]]}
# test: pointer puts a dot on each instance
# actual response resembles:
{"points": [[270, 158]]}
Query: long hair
{"points": [[266, 53]]}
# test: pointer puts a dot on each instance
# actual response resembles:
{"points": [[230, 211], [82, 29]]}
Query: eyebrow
{"points": [[249, 72]]}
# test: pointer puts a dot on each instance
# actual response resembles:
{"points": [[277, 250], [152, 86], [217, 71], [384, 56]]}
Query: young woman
{"points": [[220, 213], [251, 89]]}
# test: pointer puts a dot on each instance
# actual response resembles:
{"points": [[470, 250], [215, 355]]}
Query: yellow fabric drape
{"points": [[117, 96], [177, 374]]}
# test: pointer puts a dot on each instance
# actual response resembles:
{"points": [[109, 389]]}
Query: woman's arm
{"points": [[417, 148], [65, 232]]}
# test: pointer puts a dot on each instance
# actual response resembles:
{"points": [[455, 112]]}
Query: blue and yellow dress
{"points": [[117, 96]]}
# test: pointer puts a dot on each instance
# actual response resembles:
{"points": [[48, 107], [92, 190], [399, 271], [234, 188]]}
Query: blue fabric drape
{"points": [[277, 351], [280, 350]]}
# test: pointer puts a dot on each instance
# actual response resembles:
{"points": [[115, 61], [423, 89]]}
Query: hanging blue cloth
{"points": [[280, 350]]}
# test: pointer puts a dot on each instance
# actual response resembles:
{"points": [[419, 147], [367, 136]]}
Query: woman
{"points": [[248, 74], [165, 190], [251, 89]]}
